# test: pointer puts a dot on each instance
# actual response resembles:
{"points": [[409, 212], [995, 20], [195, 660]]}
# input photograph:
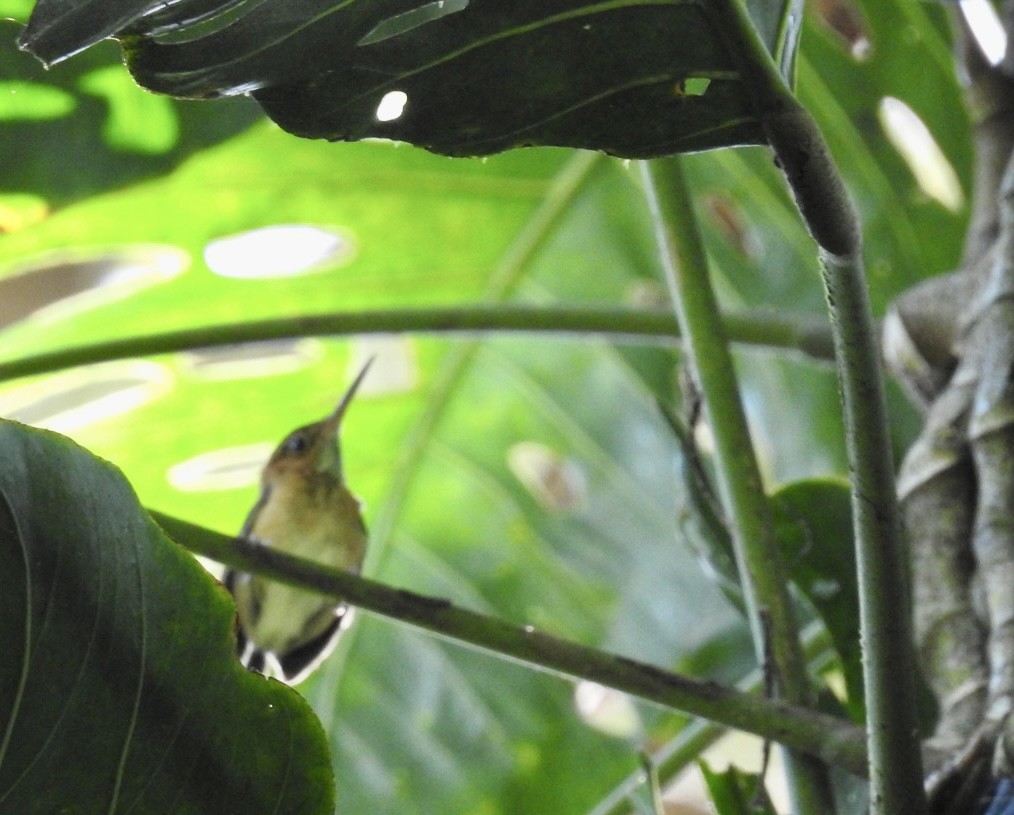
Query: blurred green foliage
{"points": [[524, 477]]}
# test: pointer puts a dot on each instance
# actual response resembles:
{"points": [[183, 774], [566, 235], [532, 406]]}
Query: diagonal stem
{"points": [[888, 652], [831, 739], [758, 554]]}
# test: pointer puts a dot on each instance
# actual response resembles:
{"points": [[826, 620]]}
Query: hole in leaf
{"points": [[394, 368], [252, 359], [228, 468], [845, 20], [607, 710], [696, 85], [77, 398], [913, 140], [986, 28], [391, 106], [406, 21], [285, 250], [69, 282], [556, 482]]}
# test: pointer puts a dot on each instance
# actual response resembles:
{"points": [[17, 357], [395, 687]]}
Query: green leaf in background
{"points": [[762, 255], [814, 521], [734, 792], [913, 226], [452, 447], [458, 77], [489, 476], [119, 689], [50, 120]]}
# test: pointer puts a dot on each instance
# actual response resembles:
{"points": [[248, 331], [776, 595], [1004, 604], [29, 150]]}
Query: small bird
{"points": [[306, 510]]}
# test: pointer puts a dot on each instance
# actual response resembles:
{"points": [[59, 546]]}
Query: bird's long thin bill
{"points": [[334, 420]]}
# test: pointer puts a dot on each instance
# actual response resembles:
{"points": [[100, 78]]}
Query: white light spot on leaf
{"points": [[51, 289], [252, 359], [284, 250], [913, 140], [229, 468], [607, 710], [825, 589], [394, 368], [556, 482], [986, 28], [80, 397], [391, 106]]}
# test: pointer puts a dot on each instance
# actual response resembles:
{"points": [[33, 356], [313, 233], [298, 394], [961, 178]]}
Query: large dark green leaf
{"points": [[89, 106], [119, 690], [633, 78]]}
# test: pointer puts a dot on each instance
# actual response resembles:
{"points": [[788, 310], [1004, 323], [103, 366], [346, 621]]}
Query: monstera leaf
{"points": [[118, 687], [459, 77]]}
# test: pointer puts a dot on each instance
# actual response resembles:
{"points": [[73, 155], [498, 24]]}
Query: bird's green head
{"points": [[315, 448]]}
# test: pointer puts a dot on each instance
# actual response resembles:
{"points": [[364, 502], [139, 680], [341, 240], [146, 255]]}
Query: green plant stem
{"points": [[808, 335], [765, 583], [888, 655], [889, 665], [833, 740], [686, 748], [758, 554], [566, 187], [654, 786], [798, 143]]}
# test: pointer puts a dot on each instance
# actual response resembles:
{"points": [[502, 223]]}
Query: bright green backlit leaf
{"points": [[29, 101], [137, 122]]}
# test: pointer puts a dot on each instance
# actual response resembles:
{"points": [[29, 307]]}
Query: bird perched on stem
{"points": [[304, 509]]}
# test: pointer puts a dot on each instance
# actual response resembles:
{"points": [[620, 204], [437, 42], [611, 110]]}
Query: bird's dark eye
{"points": [[296, 444]]}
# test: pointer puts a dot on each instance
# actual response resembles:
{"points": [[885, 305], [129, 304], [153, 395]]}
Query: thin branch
{"points": [[685, 748], [802, 152], [832, 740], [888, 652], [807, 335], [543, 223], [886, 627], [758, 554]]}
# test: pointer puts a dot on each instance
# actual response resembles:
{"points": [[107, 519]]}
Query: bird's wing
{"points": [[230, 577], [254, 512], [299, 662]]}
